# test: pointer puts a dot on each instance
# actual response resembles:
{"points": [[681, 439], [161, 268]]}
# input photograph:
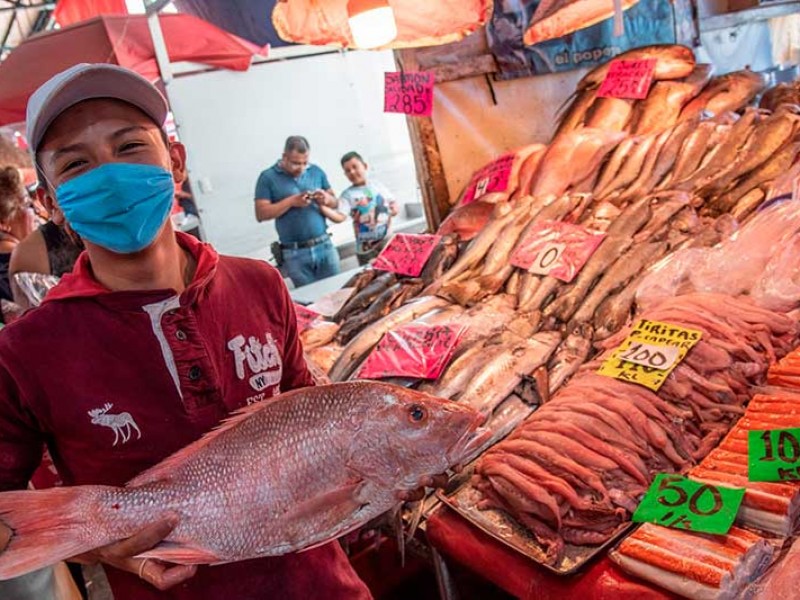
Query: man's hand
{"points": [[300, 200], [155, 572], [435, 481], [324, 198]]}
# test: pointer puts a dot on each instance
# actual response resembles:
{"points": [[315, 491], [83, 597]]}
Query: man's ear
{"points": [[49, 202], [177, 154]]}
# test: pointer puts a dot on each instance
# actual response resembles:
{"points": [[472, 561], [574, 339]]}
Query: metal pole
{"points": [[160, 48]]}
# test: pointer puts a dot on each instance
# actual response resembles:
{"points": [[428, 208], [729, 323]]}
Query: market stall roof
{"points": [[122, 40]]}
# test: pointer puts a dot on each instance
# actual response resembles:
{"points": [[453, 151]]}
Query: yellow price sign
{"points": [[650, 353]]}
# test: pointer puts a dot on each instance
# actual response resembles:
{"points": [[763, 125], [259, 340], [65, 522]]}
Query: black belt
{"points": [[306, 244]]}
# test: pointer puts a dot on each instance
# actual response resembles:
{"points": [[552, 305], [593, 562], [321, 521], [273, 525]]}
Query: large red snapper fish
{"points": [[278, 477]]}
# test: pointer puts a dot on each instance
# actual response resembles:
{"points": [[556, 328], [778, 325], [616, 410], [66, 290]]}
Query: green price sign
{"points": [[773, 455], [674, 501]]}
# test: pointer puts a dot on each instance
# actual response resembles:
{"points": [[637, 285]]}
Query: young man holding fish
{"points": [[149, 343]]}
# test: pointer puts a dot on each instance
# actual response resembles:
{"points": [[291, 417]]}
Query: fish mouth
{"points": [[469, 444]]}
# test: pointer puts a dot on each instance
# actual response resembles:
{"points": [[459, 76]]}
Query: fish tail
{"points": [[47, 526]]}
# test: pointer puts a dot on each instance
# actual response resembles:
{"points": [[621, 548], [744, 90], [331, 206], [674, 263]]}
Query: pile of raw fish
{"points": [[656, 175], [573, 471], [686, 186]]}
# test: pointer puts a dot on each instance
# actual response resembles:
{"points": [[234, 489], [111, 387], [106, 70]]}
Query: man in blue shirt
{"points": [[298, 196]]}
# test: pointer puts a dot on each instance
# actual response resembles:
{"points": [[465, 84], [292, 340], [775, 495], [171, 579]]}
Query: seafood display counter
{"points": [[611, 303], [462, 543]]}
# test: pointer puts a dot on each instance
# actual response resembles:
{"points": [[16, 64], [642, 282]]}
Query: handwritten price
{"points": [[421, 351], [493, 177], [556, 249], [681, 503], [628, 79], [773, 455], [648, 355], [409, 93], [407, 253]]}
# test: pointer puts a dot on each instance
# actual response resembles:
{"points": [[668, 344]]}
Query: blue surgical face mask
{"points": [[118, 206]]}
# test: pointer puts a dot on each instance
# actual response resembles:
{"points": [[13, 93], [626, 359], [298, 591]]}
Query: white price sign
{"points": [[649, 355], [548, 259]]}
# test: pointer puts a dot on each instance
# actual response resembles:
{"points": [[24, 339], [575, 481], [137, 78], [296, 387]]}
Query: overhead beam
{"points": [[19, 7], [7, 33]]}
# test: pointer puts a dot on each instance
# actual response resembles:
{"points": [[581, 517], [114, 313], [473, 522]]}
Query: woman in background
{"points": [[52, 249], [16, 222]]}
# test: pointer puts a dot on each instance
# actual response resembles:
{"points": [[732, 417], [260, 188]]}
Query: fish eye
{"points": [[417, 413]]}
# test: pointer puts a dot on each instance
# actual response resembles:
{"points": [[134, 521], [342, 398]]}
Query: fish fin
{"points": [[346, 496], [163, 471], [417, 508], [48, 526], [181, 554], [396, 519]]}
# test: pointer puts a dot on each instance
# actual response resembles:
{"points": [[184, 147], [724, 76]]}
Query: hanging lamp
{"points": [[372, 23]]}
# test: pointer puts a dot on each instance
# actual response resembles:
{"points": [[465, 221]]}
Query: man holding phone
{"points": [[298, 196]]}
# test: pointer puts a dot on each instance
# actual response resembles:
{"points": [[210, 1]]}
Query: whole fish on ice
{"points": [[280, 476]]}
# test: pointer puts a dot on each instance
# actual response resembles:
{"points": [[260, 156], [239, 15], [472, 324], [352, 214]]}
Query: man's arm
{"points": [[326, 198], [22, 445], [267, 210], [332, 214], [30, 256]]}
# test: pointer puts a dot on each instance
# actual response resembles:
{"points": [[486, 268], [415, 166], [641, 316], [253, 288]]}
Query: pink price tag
{"points": [[421, 351], [556, 249], [628, 79], [410, 93], [304, 317], [491, 178], [407, 253]]}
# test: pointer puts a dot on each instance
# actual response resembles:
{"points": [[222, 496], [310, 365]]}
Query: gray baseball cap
{"points": [[87, 82]]}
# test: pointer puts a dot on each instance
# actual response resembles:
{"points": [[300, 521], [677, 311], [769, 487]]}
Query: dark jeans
{"points": [[307, 265]]}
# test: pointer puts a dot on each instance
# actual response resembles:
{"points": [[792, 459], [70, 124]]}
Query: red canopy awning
{"points": [[68, 12], [122, 40]]}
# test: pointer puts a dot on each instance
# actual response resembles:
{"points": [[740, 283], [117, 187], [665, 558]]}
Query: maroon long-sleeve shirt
{"points": [[114, 382]]}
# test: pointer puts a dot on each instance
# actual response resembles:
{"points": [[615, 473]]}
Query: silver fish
{"points": [[359, 346], [498, 378], [571, 354]]}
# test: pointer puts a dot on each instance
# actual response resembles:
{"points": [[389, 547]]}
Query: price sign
{"points": [[556, 249], [494, 177], [409, 93], [678, 502], [304, 317], [548, 259], [407, 253], [650, 353], [628, 79], [773, 455], [420, 351]]}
